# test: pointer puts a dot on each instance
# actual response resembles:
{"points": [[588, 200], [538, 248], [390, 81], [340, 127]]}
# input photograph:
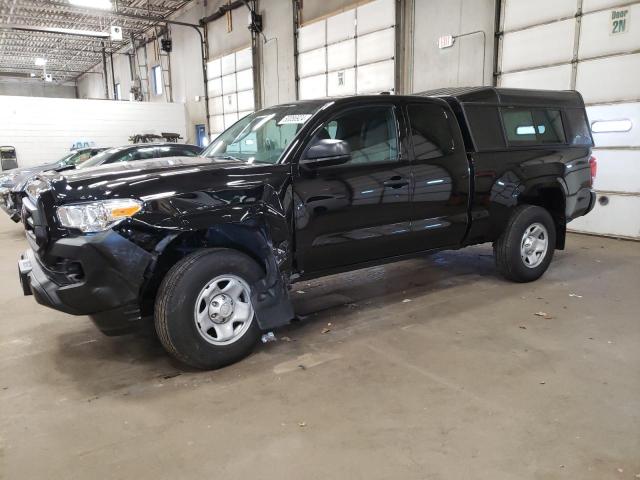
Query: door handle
{"points": [[396, 182]]}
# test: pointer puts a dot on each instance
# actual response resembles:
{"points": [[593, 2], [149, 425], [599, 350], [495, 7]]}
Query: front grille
{"points": [[34, 223]]}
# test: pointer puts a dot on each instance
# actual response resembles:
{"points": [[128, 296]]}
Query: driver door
{"points": [[357, 211]]}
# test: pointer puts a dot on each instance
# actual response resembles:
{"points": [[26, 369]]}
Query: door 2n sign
{"points": [[619, 21]]}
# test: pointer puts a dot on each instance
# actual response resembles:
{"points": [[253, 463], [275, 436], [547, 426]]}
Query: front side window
{"points": [[533, 126], [370, 132], [262, 137]]}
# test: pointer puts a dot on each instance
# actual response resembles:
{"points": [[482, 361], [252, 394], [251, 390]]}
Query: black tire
{"points": [[175, 303], [507, 249]]}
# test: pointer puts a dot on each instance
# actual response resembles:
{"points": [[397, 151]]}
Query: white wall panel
{"points": [[342, 83], [591, 5], [246, 101], [619, 217], [543, 45], [341, 27], [233, 91], [341, 55], [214, 87], [313, 87], [312, 36], [376, 77], [376, 46], [329, 49], [244, 59], [609, 79], [214, 69], [312, 62], [618, 170], [244, 80], [215, 104], [228, 63], [617, 111], [229, 83], [217, 124], [596, 38], [230, 103], [550, 78], [376, 15], [523, 13], [43, 129], [230, 119]]}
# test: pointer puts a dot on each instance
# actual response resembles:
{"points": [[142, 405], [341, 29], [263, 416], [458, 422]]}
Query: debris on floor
{"points": [[302, 424], [544, 315], [301, 292], [269, 337], [285, 339], [575, 295], [406, 300], [326, 330]]}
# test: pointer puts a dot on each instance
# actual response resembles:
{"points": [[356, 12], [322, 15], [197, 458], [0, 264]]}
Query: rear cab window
{"points": [[430, 129]]}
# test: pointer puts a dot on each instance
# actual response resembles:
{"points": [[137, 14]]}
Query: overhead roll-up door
{"points": [[230, 89], [591, 46], [352, 52]]}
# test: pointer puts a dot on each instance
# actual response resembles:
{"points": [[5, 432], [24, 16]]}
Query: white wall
{"points": [[36, 88], [43, 129]]}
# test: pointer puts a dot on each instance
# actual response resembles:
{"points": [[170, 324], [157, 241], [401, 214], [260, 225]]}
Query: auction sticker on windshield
{"points": [[301, 118]]}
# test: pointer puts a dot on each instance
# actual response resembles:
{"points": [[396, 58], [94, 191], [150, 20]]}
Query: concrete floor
{"points": [[434, 368]]}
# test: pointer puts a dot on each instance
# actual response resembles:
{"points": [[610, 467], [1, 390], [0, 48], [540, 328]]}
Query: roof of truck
{"points": [[508, 96]]}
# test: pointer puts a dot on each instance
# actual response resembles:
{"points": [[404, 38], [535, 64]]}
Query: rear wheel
{"points": [[525, 249], [203, 311]]}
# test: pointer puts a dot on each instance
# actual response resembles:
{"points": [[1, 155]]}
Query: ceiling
{"points": [[69, 56]]}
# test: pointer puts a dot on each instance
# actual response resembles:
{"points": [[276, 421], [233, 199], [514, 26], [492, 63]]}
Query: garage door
{"points": [[230, 89], [348, 53], [592, 46]]}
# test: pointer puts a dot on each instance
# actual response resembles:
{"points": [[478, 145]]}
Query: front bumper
{"points": [[99, 275]]}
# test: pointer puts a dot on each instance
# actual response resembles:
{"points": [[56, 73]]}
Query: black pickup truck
{"points": [[207, 247]]}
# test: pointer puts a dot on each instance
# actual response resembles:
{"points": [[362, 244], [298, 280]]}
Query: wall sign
{"points": [[619, 21]]}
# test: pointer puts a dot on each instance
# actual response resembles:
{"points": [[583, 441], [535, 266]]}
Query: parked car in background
{"points": [[11, 201], [142, 151], [207, 247], [13, 182]]}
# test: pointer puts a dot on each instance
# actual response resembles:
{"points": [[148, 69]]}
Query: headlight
{"points": [[97, 216]]}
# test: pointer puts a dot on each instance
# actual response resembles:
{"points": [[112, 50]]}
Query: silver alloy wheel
{"points": [[534, 245], [223, 311]]}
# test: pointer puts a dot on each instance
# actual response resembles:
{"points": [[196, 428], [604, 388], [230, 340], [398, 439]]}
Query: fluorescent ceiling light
{"points": [[40, 62], [101, 4]]}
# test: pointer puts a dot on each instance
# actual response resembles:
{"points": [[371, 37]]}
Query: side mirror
{"points": [[326, 152]]}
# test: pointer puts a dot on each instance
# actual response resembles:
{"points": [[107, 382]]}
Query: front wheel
{"points": [[525, 249], [203, 311]]}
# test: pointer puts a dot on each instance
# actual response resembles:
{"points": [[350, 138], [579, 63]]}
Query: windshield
{"points": [[75, 158], [261, 137], [63, 161], [102, 157]]}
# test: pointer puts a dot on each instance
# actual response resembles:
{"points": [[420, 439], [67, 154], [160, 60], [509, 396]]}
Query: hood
{"points": [[158, 178], [17, 177]]}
